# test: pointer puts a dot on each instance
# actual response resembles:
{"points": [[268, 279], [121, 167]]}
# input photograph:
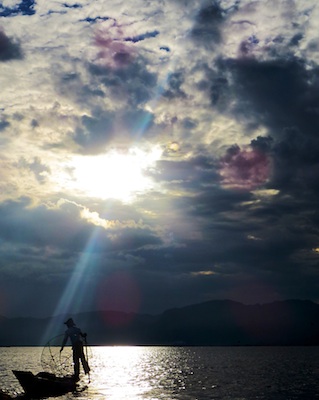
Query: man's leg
{"points": [[76, 363], [84, 362]]}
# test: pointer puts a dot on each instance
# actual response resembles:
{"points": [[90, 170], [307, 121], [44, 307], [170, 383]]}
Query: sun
{"points": [[117, 175]]}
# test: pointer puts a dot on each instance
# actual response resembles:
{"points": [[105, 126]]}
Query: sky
{"points": [[156, 154]]}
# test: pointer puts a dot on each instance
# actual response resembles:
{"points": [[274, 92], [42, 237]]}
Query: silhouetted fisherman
{"points": [[77, 340]]}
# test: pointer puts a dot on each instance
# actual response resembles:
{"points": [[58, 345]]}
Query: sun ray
{"points": [[73, 298]]}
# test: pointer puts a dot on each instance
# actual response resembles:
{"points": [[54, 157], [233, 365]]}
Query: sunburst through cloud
{"points": [[116, 175], [171, 145]]}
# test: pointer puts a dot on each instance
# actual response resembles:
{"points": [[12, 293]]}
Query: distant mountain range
{"points": [[213, 323]]}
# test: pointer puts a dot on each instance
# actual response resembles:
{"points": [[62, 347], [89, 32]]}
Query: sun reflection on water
{"points": [[183, 373], [119, 372], [124, 372]]}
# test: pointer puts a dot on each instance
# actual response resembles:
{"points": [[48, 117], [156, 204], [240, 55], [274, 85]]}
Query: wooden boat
{"points": [[44, 384], [4, 395]]}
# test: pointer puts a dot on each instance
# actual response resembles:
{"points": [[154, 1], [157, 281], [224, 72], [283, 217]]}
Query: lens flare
{"points": [[119, 292]]}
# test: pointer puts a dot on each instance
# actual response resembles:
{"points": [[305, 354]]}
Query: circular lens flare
{"points": [[119, 298]]}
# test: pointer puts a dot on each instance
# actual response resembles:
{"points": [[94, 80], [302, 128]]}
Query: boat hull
{"points": [[44, 384]]}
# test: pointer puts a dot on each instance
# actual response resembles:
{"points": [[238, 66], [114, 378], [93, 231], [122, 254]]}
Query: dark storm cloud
{"points": [[245, 231], [216, 85], [278, 93], [174, 83], [9, 49], [210, 268], [63, 229], [132, 82], [239, 248], [286, 100], [295, 158], [239, 169], [42, 246], [244, 169], [219, 215], [248, 45], [40, 226], [213, 200], [259, 239], [226, 253], [131, 239], [183, 175], [282, 95], [207, 28]]}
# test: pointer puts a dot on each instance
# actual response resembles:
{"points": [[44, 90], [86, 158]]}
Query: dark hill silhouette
{"points": [[226, 322], [222, 322]]}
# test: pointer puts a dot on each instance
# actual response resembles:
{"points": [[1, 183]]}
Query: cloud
{"points": [[142, 36], [11, 9], [94, 133], [282, 96], [207, 27], [39, 170], [276, 93], [244, 169], [4, 124], [52, 227], [9, 49], [228, 90], [113, 49]]}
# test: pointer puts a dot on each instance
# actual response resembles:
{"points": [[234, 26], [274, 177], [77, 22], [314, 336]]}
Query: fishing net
{"points": [[60, 363], [54, 361]]}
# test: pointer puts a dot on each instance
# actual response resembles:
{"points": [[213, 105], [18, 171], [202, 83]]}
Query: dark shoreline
{"points": [[214, 323]]}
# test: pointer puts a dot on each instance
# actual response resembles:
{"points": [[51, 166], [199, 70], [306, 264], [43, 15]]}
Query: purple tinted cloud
{"points": [[244, 169]]}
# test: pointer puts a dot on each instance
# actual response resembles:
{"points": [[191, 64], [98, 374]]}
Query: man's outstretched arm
{"points": [[64, 341]]}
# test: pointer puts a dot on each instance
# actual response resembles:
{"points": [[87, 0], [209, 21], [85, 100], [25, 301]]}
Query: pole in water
{"points": [[87, 359]]}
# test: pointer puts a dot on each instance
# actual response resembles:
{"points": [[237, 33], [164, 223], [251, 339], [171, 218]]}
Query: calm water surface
{"points": [[185, 373]]}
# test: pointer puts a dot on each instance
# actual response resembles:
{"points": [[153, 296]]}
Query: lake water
{"points": [[184, 373]]}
